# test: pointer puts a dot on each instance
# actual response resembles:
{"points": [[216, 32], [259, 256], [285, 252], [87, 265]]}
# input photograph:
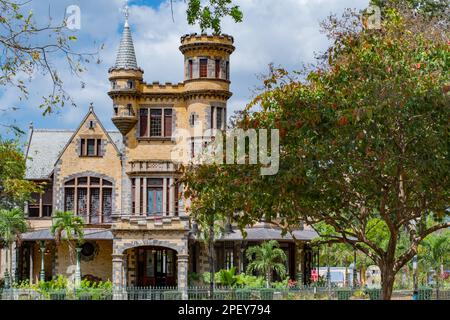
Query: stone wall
{"points": [[100, 266]]}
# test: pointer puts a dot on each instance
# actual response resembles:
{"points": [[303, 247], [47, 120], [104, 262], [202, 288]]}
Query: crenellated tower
{"points": [[207, 77], [126, 79]]}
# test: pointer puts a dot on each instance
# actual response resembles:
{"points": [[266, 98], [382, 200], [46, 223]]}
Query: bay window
{"points": [[89, 197]]}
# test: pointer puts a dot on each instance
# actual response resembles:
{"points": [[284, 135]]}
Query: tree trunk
{"points": [[211, 262], [387, 281]]}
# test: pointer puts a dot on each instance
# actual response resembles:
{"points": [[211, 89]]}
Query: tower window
{"points": [[130, 84], [129, 109], [116, 110], [203, 68], [191, 69], [227, 71], [143, 119], [155, 122], [113, 85], [217, 69], [217, 118]]}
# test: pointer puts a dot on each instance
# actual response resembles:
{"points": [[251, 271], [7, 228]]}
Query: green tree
{"points": [[67, 226], [12, 225], [436, 253], [210, 14], [29, 47], [427, 7], [14, 189], [266, 258], [363, 141]]}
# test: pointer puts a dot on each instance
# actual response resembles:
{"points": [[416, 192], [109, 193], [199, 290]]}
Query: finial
{"points": [[91, 106], [31, 125], [126, 12]]}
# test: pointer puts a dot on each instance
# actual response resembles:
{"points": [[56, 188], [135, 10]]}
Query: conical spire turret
{"points": [[126, 56]]}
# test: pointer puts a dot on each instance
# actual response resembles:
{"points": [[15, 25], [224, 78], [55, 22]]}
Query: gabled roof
{"points": [[45, 147]]}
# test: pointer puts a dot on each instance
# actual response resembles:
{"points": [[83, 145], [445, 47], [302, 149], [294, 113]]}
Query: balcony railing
{"points": [[140, 166]]}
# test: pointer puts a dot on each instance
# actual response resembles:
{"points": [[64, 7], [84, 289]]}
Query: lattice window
{"points": [[82, 202], [155, 123], [69, 200], [89, 197], [107, 204], [94, 205]]}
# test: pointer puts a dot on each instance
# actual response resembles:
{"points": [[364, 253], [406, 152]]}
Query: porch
{"points": [[40, 259]]}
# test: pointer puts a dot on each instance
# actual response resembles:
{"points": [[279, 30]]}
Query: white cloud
{"points": [[283, 32]]}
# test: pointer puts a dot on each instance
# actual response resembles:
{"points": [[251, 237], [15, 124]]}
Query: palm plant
{"points": [[12, 225], [266, 258], [436, 253], [70, 224]]}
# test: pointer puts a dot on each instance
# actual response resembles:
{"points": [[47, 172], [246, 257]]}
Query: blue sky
{"points": [[285, 33]]}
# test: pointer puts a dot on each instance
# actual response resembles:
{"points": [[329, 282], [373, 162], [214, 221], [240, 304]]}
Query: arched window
{"points": [[90, 198]]}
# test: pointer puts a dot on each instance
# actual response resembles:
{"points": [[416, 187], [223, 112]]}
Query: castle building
{"points": [[124, 183]]}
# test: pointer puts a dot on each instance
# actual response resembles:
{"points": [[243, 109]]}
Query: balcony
{"points": [[146, 166], [124, 120]]}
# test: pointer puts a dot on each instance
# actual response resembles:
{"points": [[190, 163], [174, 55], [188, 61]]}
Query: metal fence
{"points": [[219, 293]]}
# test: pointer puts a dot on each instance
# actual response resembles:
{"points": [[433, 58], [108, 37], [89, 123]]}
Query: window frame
{"points": [[84, 147], [163, 116], [200, 74], [102, 186]]}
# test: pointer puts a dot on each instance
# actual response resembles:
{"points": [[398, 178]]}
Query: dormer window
{"points": [[130, 84], [91, 124], [91, 147]]}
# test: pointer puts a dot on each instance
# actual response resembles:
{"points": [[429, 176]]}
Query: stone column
{"points": [[118, 276], [42, 272], [171, 197], [183, 274], [137, 197], [78, 269], [299, 258], [15, 263]]}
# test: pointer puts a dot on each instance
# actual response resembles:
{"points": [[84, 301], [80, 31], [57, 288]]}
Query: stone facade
{"points": [[133, 161]]}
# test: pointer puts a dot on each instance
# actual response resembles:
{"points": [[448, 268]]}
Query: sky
{"points": [[283, 32]]}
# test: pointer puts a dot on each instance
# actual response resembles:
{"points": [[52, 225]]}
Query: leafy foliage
{"points": [[29, 48], [70, 224], [363, 142], [266, 258], [14, 189], [12, 224], [210, 15]]}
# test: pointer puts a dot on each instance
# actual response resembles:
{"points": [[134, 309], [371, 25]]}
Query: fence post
{"points": [[183, 275]]}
